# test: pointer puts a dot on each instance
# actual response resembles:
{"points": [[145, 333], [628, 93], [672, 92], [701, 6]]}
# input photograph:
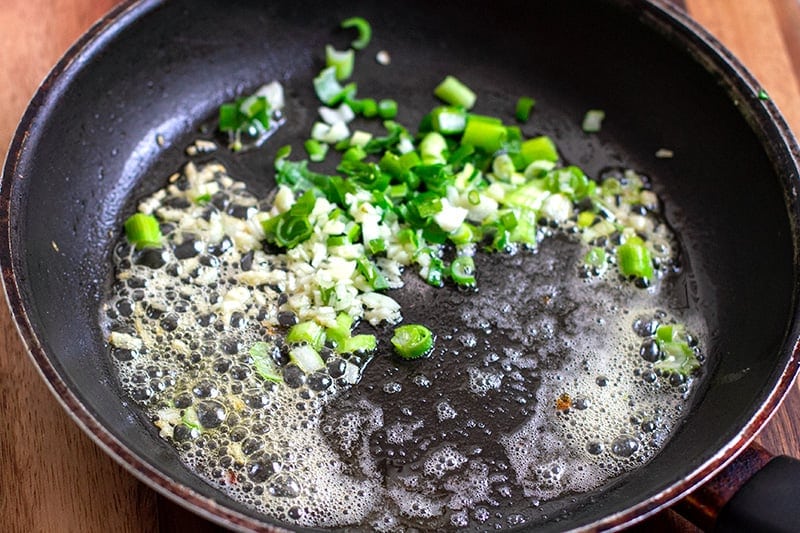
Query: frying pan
{"points": [[87, 149]]}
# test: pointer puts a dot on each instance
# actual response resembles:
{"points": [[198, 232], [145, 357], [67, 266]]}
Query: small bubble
{"points": [[624, 446], [221, 365], [676, 379], [205, 389], [581, 404], [649, 376], [648, 426], [293, 376], [649, 350], [284, 486], [392, 387], [122, 354], [595, 448], [183, 400], [319, 381], [644, 327], [421, 380], [210, 413]]}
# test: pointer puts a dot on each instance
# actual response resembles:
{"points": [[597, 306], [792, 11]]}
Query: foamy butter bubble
{"points": [[563, 401], [312, 477], [445, 411], [599, 434], [398, 433], [482, 381], [442, 461]]}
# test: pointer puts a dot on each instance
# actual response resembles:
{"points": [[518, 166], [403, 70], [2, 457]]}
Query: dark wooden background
{"points": [[54, 478]]}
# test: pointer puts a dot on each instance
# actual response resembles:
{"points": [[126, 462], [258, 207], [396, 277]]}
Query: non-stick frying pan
{"points": [[87, 149]]}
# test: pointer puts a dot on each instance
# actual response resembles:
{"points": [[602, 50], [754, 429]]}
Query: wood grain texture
{"points": [[765, 36], [754, 31], [54, 478]]}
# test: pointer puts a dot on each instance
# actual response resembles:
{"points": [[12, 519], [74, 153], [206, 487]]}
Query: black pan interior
{"points": [[164, 67]]}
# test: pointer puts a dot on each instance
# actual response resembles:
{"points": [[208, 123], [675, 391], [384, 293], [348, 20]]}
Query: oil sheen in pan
{"points": [[537, 391]]}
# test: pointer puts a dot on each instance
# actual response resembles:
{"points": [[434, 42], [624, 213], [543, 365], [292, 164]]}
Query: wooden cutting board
{"points": [[54, 478]]}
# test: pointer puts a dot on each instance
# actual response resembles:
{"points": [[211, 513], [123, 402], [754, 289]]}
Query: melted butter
{"points": [[535, 392]]}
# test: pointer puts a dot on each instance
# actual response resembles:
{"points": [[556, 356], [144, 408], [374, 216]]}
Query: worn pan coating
{"points": [[87, 148]]}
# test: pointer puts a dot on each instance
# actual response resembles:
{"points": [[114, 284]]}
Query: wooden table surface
{"points": [[54, 478]]}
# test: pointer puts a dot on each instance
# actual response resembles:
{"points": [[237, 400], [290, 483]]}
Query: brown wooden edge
{"points": [[702, 507]]}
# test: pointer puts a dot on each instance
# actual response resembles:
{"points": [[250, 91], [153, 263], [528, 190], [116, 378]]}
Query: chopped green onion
{"points": [[523, 110], [291, 231], [327, 86], [387, 109], [408, 236], [360, 138], [364, 31], [252, 105], [762, 95], [427, 204], [483, 134], [338, 334], [376, 246], [249, 115], [452, 91], [665, 333], [143, 231], [410, 160], [343, 113], [282, 153], [678, 358], [474, 197], [676, 354], [292, 227], [634, 259], [337, 240], [316, 150], [354, 232], [306, 358], [309, 332], [359, 344], [390, 163], [593, 120], [596, 258], [586, 219], [538, 149], [202, 199], [369, 107], [503, 167], [263, 363], [463, 235], [432, 148], [462, 270], [371, 274], [398, 191], [341, 60], [229, 117], [448, 120], [435, 269], [354, 153], [509, 220], [412, 341], [190, 419]]}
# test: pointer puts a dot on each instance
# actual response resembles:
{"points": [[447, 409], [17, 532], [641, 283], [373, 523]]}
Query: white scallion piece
{"points": [[306, 358], [273, 92], [593, 120]]}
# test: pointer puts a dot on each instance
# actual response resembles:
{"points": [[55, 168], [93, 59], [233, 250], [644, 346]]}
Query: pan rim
{"points": [[763, 117]]}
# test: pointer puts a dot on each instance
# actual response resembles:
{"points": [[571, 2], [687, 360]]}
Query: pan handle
{"points": [[756, 492]]}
